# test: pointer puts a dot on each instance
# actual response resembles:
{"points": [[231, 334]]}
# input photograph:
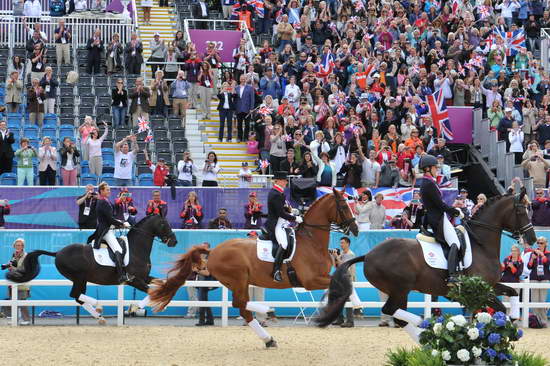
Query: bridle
{"points": [[515, 234], [344, 226], [162, 240]]}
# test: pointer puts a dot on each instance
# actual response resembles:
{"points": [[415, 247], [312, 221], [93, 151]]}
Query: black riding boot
{"points": [[277, 275], [453, 265], [122, 275]]}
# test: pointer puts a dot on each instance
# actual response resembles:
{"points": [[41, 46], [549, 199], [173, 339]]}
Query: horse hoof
{"points": [[141, 312], [271, 344], [102, 321]]}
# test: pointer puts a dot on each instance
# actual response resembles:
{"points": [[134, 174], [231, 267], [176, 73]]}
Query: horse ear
{"points": [[522, 193], [336, 192]]}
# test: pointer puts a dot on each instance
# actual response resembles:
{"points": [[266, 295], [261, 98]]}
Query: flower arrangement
{"points": [[458, 341]]}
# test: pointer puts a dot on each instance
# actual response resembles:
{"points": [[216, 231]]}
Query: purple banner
{"points": [[225, 41], [461, 119], [48, 208]]}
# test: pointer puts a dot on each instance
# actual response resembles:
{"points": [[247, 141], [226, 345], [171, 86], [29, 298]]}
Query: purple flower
{"points": [[491, 353], [504, 356], [494, 338], [520, 333], [481, 333], [480, 326], [499, 315], [500, 322], [425, 324], [440, 319]]}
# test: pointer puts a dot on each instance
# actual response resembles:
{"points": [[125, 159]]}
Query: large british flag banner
{"points": [[440, 115], [325, 67], [514, 42]]}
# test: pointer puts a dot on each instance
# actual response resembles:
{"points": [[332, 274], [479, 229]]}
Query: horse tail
{"points": [[31, 267], [163, 291], [340, 289]]}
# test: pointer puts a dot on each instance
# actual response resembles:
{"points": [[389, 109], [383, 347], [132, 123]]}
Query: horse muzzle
{"points": [[354, 228], [171, 241]]}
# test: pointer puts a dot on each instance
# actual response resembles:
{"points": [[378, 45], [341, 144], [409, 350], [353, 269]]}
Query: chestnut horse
{"points": [[235, 263], [397, 266]]}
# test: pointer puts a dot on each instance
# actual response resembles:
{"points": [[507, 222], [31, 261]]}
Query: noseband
{"points": [[343, 226], [515, 234]]}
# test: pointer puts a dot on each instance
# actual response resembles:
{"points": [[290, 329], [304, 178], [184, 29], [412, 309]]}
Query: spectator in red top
{"points": [[512, 267], [4, 210], [253, 212], [124, 207], [191, 213], [160, 170], [156, 206], [541, 209], [539, 265]]}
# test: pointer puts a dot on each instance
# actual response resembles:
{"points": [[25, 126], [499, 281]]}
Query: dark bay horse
{"points": [[397, 267], [76, 262], [235, 263]]}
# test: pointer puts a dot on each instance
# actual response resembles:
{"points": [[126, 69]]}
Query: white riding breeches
{"points": [[111, 240], [280, 232], [449, 232]]}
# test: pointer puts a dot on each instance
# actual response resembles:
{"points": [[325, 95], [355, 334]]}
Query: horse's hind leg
{"points": [[240, 301], [501, 289], [89, 303], [396, 306]]}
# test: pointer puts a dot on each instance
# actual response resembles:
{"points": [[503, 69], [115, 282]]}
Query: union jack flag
{"points": [[484, 12], [264, 111], [257, 4], [439, 114], [143, 125], [514, 42], [149, 137], [264, 164], [326, 66], [454, 7]]}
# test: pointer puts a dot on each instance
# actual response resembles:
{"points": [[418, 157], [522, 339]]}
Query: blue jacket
{"points": [[270, 86], [245, 103], [523, 9]]}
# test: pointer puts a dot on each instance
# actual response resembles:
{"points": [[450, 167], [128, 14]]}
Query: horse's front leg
{"points": [[502, 289], [142, 285]]}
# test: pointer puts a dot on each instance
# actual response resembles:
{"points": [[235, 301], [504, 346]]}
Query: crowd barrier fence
{"points": [[427, 304]]}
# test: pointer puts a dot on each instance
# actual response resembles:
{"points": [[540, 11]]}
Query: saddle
{"points": [[436, 254], [291, 240], [104, 256]]}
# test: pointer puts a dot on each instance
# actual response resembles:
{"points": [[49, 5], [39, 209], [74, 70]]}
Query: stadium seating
{"points": [[145, 179], [8, 179], [108, 178], [86, 179]]}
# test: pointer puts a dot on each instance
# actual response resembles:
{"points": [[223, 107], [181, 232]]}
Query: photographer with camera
{"points": [[186, 168], [160, 170], [340, 256], [537, 166], [23, 291], [221, 222], [69, 162], [24, 157], [87, 218], [124, 207], [191, 212]]}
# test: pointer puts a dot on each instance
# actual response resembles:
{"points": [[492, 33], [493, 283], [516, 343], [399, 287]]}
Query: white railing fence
{"points": [[13, 32], [427, 305]]}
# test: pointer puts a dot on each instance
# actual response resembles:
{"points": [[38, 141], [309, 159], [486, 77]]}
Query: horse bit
{"points": [[343, 226]]}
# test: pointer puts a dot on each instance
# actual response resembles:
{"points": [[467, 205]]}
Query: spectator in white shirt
{"points": [[516, 136], [124, 160], [370, 177], [444, 82], [80, 5], [292, 92], [186, 169], [95, 156], [32, 9], [210, 170], [47, 157]]}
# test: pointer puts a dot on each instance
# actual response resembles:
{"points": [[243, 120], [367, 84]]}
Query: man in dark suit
{"points": [[226, 108], [95, 49], [245, 103], [200, 11], [436, 213], [103, 231], [278, 216], [139, 97], [6, 151]]}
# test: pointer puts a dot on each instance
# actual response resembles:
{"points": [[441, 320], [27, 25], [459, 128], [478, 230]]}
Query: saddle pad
{"points": [[264, 251], [102, 257], [433, 253]]}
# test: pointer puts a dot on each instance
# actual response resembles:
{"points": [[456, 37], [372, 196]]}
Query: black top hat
{"points": [[280, 175]]}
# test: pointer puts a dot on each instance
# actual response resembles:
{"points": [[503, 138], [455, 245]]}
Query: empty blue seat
{"points": [[108, 166], [84, 167], [31, 132], [8, 179], [108, 178], [49, 131], [66, 131], [108, 154], [86, 179], [14, 123], [145, 179]]}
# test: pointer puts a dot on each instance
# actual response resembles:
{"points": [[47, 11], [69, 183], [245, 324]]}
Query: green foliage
{"points": [[398, 357], [473, 292], [530, 359], [414, 357]]}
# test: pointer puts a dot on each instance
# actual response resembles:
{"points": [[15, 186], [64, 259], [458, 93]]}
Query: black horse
{"points": [[76, 262], [397, 266]]}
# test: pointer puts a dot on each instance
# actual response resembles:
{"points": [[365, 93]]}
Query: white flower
{"points": [[459, 320], [435, 353], [438, 328], [473, 333], [484, 317], [476, 351], [446, 355], [463, 355], [450, 326]]}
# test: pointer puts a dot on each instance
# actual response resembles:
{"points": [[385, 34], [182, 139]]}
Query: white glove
{"points": [[295, 211], [299, 219], [126, 225]]}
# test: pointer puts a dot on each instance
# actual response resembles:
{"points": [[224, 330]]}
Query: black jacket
{"points": [[435, 207], [352, 174], [232, 98], [276, 207], [89, 221], [117, 98], [197, 11], [63, 152], [286, 165], [105, 218], [5, 145]]}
